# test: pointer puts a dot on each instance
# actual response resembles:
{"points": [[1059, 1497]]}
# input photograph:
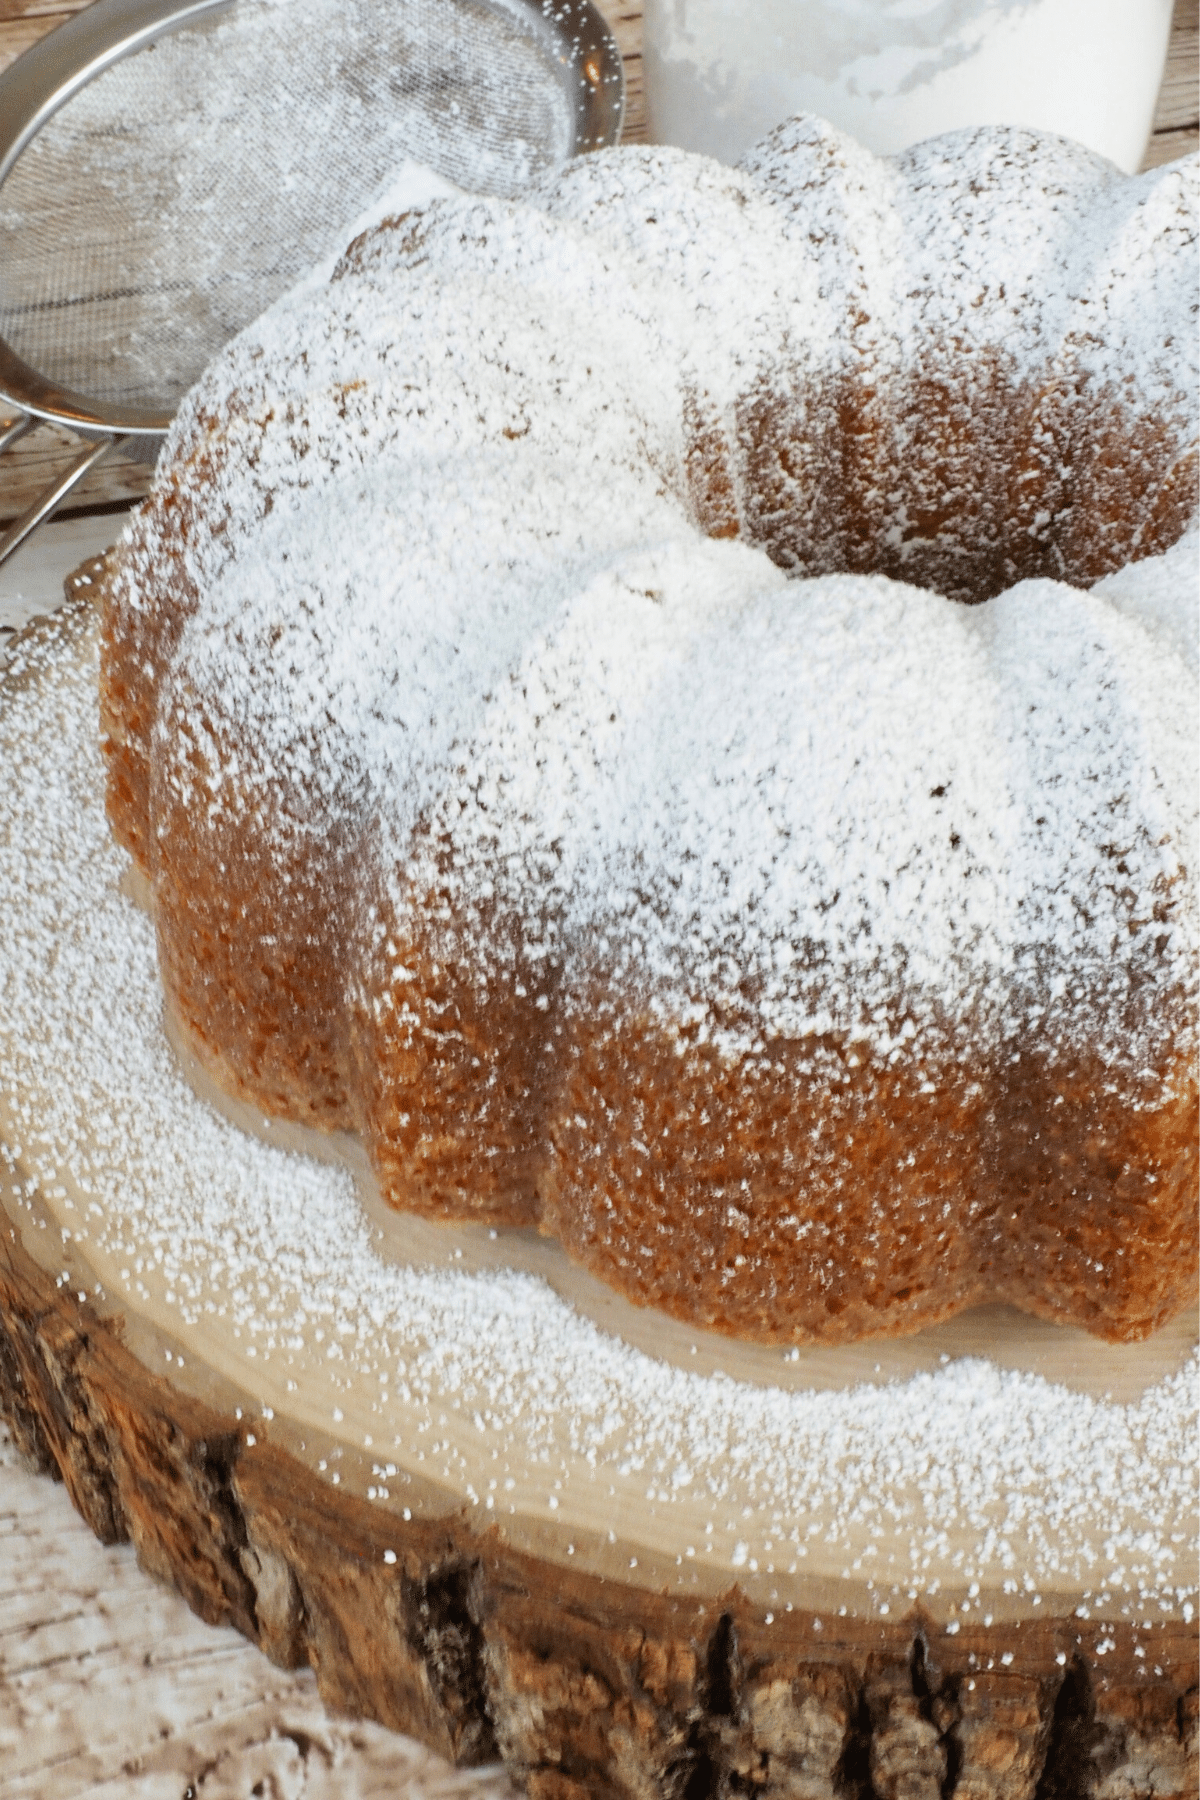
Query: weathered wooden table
{"points": [[108, 1684], [118, 481]]}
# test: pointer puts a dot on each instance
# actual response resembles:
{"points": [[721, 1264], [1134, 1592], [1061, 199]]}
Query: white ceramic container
{"points": [[721, 73]]}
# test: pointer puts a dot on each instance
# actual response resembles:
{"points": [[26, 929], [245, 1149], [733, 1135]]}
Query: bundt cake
{"points": [[537, 691]]}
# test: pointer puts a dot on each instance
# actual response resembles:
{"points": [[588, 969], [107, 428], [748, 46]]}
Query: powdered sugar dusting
{"points": [[1161, 594], [693, 698], [455, 647], [189, 184], [967, 1476], [461, 608]]}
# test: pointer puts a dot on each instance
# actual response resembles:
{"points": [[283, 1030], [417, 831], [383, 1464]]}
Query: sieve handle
{"points": [[45, 503], [15, 429]]}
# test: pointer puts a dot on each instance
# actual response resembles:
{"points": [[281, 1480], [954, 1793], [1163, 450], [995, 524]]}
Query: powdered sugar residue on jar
{"points": [[719, 74]]}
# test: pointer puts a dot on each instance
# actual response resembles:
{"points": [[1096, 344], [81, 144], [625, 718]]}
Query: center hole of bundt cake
{"points": [[966, 486]]}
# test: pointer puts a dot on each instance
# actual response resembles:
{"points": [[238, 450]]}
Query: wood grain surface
{"points": [[589, 1687], [108, 1684], [111, 1688], [590, 1690], [118, 481], [28, 469]]}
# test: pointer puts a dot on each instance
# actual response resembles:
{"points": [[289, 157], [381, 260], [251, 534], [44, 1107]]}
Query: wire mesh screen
{"points": [[178, 194]]}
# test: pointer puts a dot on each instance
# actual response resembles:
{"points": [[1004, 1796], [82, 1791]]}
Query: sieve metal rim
{"points": [[58, 66]]}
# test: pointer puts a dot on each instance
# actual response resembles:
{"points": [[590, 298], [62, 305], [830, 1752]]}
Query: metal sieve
{"points": [[169, 167]]}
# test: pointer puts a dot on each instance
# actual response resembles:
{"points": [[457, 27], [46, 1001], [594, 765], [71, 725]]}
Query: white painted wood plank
{"points": [[110, 1687], [31, 580]]}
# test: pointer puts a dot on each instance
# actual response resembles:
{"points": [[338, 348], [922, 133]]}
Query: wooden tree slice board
{"points": [[627, 1572]]}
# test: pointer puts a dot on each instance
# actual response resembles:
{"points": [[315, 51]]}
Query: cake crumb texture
{"points": [[607, 694], [970, 1477]]}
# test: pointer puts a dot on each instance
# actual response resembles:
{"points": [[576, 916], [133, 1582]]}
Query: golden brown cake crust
{"points": [[1037, 1141]]}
